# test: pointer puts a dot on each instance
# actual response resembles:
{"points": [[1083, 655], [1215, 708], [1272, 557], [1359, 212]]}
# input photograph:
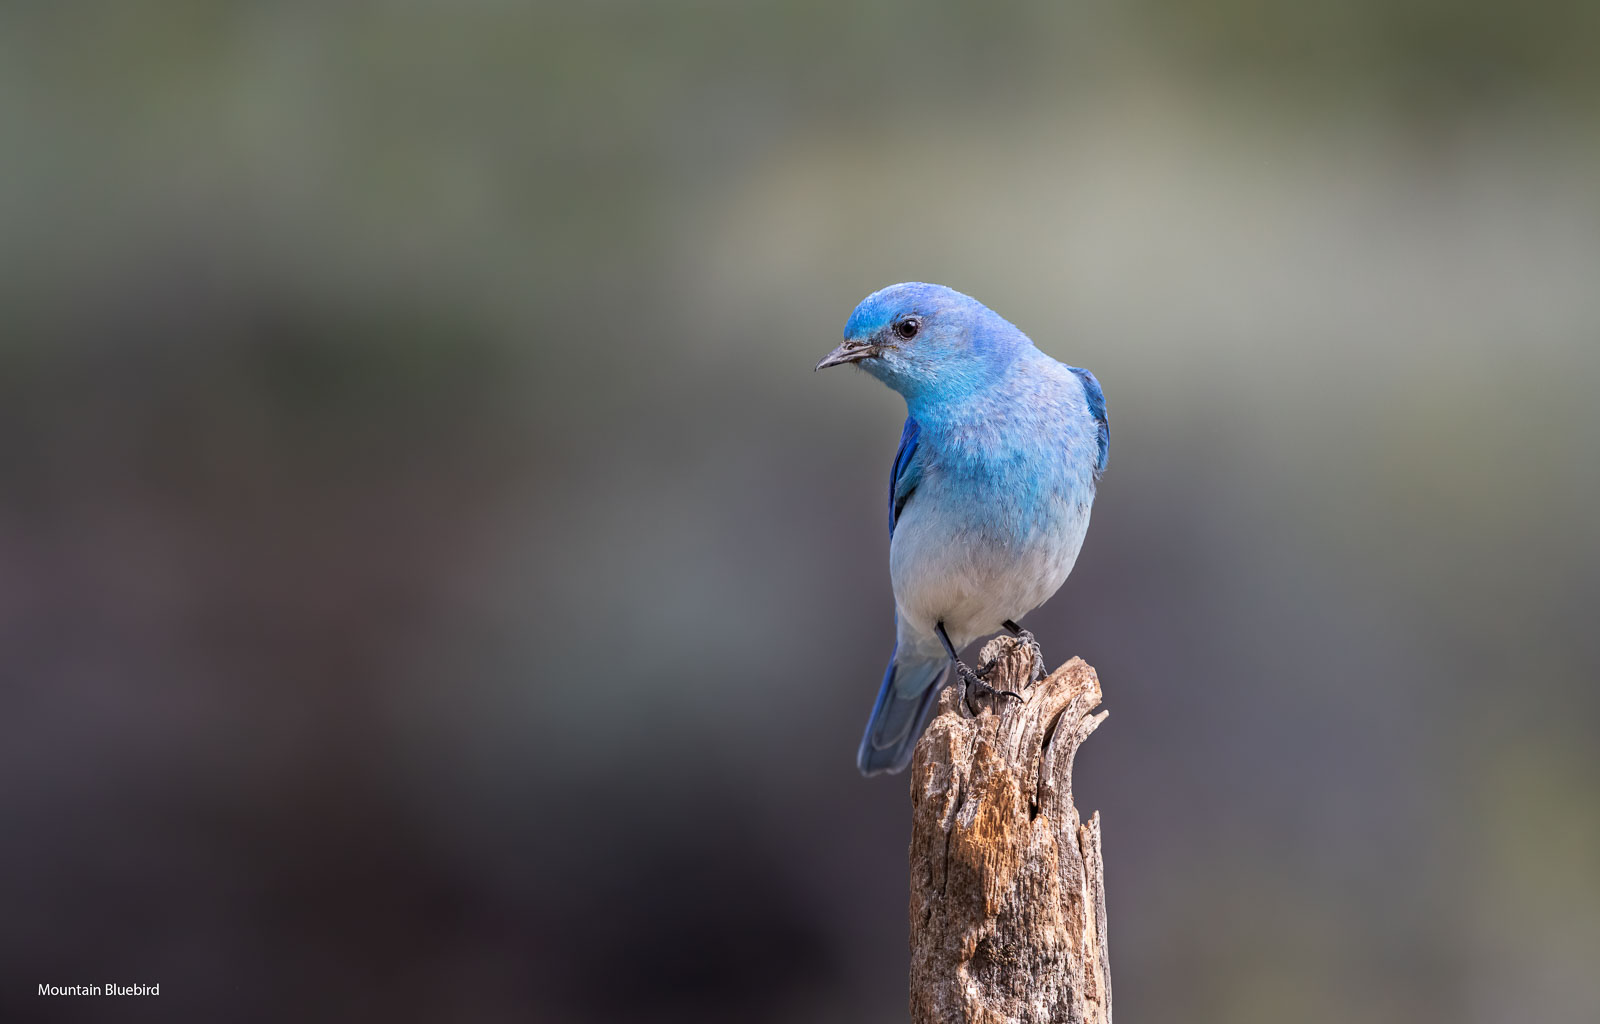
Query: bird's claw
{"points": [[971, 681], [1028, 640]]}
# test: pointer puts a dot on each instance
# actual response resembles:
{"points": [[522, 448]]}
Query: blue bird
{"points": [[989, 494]]}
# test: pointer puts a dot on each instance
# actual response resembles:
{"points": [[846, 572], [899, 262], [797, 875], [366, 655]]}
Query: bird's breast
{"points": [[973, 550], [1002, 504]]}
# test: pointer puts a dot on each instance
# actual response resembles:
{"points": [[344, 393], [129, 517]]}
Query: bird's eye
{"points": [[908, 327]]}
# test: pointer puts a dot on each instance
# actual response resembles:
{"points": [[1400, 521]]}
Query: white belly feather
{"points": [[956, 568]]}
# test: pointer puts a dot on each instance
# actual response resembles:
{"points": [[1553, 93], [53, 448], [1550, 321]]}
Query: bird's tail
{"points": [[910, 690]]}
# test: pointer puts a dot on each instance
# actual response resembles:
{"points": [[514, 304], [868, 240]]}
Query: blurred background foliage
{"points": [[435, 586]]}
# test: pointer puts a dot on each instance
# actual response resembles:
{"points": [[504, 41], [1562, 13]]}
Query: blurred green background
{"points": [[434, 586]]}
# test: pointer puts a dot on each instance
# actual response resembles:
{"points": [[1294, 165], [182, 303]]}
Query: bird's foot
{"points": [[972, 683], [1028, 640], [968, 680]]}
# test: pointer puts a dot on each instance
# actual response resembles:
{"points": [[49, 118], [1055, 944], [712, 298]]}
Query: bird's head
{"points": [[927, 342]]}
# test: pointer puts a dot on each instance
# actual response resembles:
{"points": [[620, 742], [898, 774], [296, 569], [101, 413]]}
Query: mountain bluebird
{"points": [[989, 494]]}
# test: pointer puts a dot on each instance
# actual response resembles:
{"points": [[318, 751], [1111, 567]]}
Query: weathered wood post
{"points": [[1008, 911]]}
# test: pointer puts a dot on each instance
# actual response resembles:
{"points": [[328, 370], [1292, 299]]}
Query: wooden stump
{"points": [[1008, 912]]}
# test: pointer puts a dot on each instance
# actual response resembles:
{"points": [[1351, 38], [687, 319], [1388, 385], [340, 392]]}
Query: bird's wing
{"points": [[906, 473], [1097, 408]]}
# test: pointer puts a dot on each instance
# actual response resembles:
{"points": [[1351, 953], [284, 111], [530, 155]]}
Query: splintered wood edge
{"points": [[1098, 974], [1038, 738]]}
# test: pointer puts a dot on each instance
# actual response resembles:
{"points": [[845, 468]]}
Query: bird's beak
{"points": [[849, 352]]}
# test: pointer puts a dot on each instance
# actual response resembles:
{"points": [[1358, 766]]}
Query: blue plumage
{"points": [[904, 475], [989, 493], [1097, 409], [905, 702]]}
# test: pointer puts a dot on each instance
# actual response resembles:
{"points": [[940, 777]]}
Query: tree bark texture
{"points": [[1008, 909]]}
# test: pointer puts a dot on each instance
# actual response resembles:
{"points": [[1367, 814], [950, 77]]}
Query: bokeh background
{"points": [[434, 586]]}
